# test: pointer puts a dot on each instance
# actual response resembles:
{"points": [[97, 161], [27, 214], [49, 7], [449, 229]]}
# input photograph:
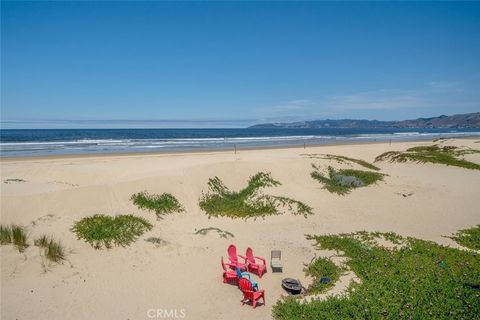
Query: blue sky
{"points": [[234, 64]]}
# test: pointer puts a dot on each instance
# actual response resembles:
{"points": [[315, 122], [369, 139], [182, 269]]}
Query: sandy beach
{"points": [[183, 273]]}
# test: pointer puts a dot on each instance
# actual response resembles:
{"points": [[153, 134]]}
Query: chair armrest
{"points": [[260, 258]]}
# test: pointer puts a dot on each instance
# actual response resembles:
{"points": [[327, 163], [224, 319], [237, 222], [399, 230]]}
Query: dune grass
{"points": [[248, 202], [469, 238], [42, 241], [101, 230], [343, 181], [416, 280], [161, 204], [446, 155], [343, 159], [19, 237], [322, 268], [53, 250], [14, 234], [5, 234]]}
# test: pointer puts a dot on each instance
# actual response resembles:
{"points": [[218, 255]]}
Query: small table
{"points": [[276, 261]]}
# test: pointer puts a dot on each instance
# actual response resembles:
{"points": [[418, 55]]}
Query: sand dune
{"points": [[184, 273]]}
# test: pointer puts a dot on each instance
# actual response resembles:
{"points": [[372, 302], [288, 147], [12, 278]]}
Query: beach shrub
{"points": [[159, 203], [52, 249], [343, 159], [250, 201], [469, 238], [342, 181], [446, 155], [418, 279], [324, 273], [101, 230], [14, 234]]}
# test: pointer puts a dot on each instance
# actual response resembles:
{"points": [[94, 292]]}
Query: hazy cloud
{"points": [[293, 105], [125, 124], [443, 84], [379, 99], [435, 96]]}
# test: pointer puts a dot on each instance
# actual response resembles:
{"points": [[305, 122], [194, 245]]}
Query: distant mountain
{"points": [[468, 120]]}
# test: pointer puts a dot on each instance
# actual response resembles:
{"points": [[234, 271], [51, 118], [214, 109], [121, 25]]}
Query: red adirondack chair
{"points": [[233, 257], [228, 275], [253, 266], [249, 294]]}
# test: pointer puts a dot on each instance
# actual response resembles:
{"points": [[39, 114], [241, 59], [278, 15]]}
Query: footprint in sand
{"points": [[222, 233], [158, 242], [44, 219], [66, 183], [13, 180], [405, 194]]}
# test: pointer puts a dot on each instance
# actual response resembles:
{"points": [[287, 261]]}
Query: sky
{"points": [[232, 64]]}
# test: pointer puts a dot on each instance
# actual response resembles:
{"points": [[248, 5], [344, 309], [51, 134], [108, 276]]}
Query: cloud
{"points": [[300, 102], [443, 84], [378, 99], [124, 124], [430, 98], [292, 105]]}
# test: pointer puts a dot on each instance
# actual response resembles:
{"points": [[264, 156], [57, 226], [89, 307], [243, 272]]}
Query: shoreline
{"points": [[6, 159]]}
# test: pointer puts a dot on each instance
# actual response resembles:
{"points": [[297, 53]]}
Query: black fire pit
{"points": [[292, 286]]}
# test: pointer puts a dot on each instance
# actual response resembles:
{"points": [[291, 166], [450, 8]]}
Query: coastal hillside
{"points": [[468, 120]]}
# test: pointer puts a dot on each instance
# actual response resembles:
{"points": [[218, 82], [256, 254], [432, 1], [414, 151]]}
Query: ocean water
{"points": [[20, 143]]}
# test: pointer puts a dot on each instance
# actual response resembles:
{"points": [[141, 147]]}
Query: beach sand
{"points": [[183, 274]]}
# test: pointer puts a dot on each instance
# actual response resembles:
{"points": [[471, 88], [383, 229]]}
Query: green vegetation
{"points": [[19, 237], [343, 159], [322, 268], [42, 241], [248, 202], [161, 204], [15, 235], [416, 279], [447, 155], [5, 234], [342, 181], [222, 233], [101, 230], [53, 250], [469, 238]]}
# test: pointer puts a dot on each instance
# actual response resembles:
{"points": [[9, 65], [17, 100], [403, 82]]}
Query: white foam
{"points": [[112, 145]]}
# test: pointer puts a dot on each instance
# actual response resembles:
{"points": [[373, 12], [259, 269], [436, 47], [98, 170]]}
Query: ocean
{"points": [[42, 142]]}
